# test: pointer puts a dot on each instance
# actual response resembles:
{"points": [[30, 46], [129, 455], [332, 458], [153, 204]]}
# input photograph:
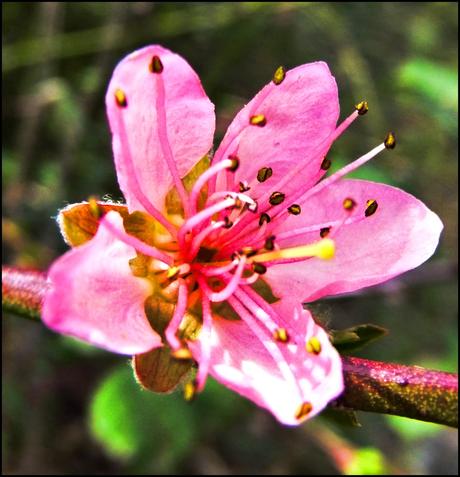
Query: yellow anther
{"points": [[276, 198], [120, 98], [362, 107], [390, 141], [258, 120], [313, 345], [264, 174], [172, 272], [349, 204], [281, 335], [235, 163], [156, 66], [94, 207], [279, 75], [304, 410], [189, 390], [371, 207], [324, 249], [294, 209], [182, 353]]}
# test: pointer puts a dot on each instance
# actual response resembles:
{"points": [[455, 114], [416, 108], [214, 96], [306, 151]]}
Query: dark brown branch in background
{"points": [[373, 386]]}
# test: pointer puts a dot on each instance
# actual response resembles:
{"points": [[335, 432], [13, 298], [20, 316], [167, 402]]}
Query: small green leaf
{"points": [[367, 461], [356, 337], [79, 222]]}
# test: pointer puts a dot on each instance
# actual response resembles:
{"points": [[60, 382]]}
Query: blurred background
{"points": [[72, 409]]}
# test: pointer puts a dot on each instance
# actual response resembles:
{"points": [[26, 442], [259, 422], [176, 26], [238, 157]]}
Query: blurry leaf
{"points": [[367, 461], [370, 173], [356, 337], [435, 82], [132, 423], [411, 429], [343, 417], [79, 224]]}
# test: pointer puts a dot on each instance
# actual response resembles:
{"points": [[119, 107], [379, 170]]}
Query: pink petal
{"points": [[95, 297], [301, 113], [148, 129], [399, 236], [241, 362]]}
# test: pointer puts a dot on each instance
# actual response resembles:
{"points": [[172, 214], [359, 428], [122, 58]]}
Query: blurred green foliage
{"points": [[70, 410]]}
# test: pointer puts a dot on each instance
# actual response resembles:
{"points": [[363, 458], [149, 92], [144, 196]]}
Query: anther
{"points": [[270, 243], [190, 390], [371, 207], [276, 198], [228, 223], [303, 410], [259, 268], [252, 207], [120, 98], [294, 209], [313, 345], [94, 207], [182, 353], [362, 108], [264, 174], [390, 141], [349, 204], [248, 251], [324, 232], [156, 66], [326, 164], [279, 75], [235, 163], [258, 120], [244, 187], [281, 335], [264, 218], [173, 273]]}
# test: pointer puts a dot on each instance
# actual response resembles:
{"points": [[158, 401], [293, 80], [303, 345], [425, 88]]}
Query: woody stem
{"points": [[372, 386]]}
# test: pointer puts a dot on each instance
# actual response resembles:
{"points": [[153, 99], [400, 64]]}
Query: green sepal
{"points": [[79, 222], [351, 339]]}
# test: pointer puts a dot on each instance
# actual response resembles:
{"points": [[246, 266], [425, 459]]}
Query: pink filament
{"points": [[179, 312], [232, 285], [205, 341]]}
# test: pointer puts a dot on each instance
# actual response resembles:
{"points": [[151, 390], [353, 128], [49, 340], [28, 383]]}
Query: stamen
{"points": [[258, 120], [323, 249], [349, 204], [135, 242], [264, 219], [279, 75], [190, 389], [276, 198], [264, 174], [156, 66], [313, 345], [326, 164], [216, 271], [178, 315], [120, 98], [371, 207], [94, 207], [205, 343], [200, 237], [294, 209], [259, 268], [362, 108], [270, 243], [281, 335], [232, 285], [244, 186], [182, 354], [324, 232]]}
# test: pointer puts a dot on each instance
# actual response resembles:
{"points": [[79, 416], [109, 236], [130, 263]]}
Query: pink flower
{"points": [[257, 216]]}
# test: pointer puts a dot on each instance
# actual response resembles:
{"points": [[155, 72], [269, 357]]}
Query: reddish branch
{"points": [[373, 386]]}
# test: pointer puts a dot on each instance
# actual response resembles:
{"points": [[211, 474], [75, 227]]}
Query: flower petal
{"points": [[399, 236], [167, 118], [95, 297], [240, 361], [300, 113]]}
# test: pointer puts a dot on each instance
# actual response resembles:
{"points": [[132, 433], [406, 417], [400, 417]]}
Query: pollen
{"points": [[304, 410], [156, 66], [264, 218], [362, 108], [313, 345], [276, 198], [182, 353], [390, 141], [371, 207], [120, 98], [324, 232], [258, 120], [326, 164], [294, 209], [279, 75], [281, 335], [190, 391], [349, 204], [264, 174]]}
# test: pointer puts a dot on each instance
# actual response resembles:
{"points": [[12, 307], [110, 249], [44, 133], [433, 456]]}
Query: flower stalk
{"points": [[371, 386]]}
